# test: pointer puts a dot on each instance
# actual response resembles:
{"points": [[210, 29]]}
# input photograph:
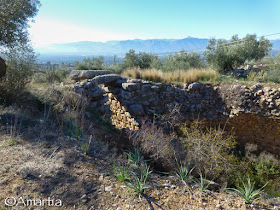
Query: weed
{"points": [[248, 191], [12, 142], [135, 156], [86, 146], [202, 182], [139, 184], [73, 130], [183, 172], [145, 171], [122, 171]]}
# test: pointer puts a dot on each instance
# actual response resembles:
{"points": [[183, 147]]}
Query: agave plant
{"points": [[183, 172], [248, 191], [139, 184]]}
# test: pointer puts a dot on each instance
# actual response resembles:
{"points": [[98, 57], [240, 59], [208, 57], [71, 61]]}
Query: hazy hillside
{"points": [[69, 52], [122, 47]]}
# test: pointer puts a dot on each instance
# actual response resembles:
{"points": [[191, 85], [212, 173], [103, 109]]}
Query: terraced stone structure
{"points": [[253, 113]]}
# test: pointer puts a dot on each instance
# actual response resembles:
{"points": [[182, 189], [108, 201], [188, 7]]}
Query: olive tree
{"points": [[225, 55], [14, 45], [183, 61], [94, 63], [14, 17], [142, 60]]}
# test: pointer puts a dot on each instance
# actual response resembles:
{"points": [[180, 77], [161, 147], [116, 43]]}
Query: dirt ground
{"points": [[55, 168]]}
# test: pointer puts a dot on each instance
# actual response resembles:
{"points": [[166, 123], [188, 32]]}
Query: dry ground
{"points": [[38, 161], [55, 167]]}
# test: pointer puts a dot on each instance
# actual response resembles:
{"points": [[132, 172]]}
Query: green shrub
{"points": [[57, 75], [271, 72], [90, 64], [226, 55], [264, 169], [210, 149], [20, 66], [183, 60]]}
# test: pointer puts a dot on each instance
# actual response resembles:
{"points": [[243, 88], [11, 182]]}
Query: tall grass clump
{"points": [[184, 76], [191, 75], [132, 73]]}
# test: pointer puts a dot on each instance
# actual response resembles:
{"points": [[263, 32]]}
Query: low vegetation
{"points": [[249, 192], [179, 76]]}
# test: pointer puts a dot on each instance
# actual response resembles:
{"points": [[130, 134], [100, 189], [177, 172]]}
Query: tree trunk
{"points": [[3, 68]]}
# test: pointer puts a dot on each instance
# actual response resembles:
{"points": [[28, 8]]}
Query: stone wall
{"points": [[253, 112]]}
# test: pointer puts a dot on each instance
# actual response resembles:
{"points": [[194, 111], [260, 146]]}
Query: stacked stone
{"points": [[257, 99], [121, 118], [131, 101]]}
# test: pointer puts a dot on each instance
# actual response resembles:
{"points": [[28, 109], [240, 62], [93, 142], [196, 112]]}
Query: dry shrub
{"points": [[153, 75], [154, 143], [172, 119], [132, 73], [210, 149], [185, 76], [64, 99], [191, 75]]}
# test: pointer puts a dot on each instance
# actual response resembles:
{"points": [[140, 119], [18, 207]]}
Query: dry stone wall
{"points": [[252, 112], [131, 100]]}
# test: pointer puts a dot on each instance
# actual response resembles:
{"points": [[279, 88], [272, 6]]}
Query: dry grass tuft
{"points": [[133, 73], [184, 76]]}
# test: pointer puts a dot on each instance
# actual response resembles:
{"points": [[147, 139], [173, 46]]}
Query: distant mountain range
{"points": [[119, 48]]}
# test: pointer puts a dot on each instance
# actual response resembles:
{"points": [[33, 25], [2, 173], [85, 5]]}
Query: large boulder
{"points": [[3, 68], [104, 79], [87, 74], [131, 86]]}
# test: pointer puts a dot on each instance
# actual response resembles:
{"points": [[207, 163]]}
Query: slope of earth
{"points": [[38, 163]]}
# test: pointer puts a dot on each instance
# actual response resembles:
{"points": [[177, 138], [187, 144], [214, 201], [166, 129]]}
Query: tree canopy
{"points": [[225, 55], [94, 63], [142, 60], [14, 17]]}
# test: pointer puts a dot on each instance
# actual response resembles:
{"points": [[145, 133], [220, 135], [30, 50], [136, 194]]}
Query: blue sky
{"points": [[61, 21]]}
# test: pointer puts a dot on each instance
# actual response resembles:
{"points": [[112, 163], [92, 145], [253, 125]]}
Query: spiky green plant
{"points": [[183, 172], [122, 171], [202, 182], [135, 155], [139, 184], [248, 191]]}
